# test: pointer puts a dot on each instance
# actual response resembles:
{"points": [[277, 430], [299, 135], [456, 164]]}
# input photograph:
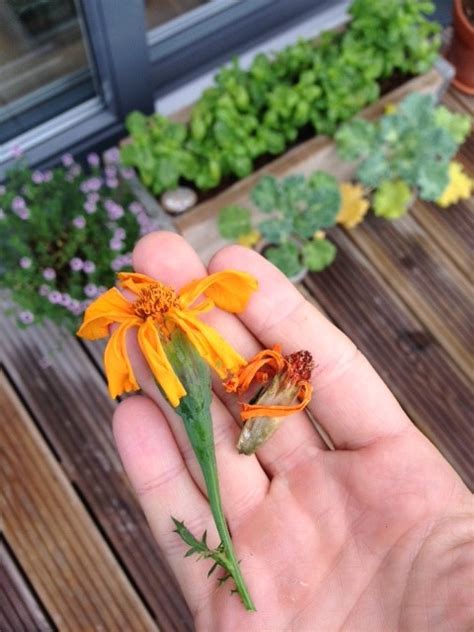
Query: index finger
{"points": [[350, 400]]}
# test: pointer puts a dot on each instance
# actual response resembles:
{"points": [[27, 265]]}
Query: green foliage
{"points": [[318, 254], [392, 198], [260, 111], [63, 235], [412, 146], [286, 257], [234, 221], [297, 207]]}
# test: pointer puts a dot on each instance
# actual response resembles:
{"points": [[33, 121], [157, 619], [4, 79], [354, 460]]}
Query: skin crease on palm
{"points": [[375, 535]]}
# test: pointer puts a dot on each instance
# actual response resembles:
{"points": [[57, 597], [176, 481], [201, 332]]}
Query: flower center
{"points": [[300, 365], [154, 300]]}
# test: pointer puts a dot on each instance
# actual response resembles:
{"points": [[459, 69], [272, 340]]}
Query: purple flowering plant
{"points": [[64, 233]]}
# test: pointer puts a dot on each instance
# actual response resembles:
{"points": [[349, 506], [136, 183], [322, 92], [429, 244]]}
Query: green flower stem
{"points": [[194, 409]]}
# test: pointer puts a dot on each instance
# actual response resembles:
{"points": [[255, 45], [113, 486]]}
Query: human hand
{"points": [[377, 534]]}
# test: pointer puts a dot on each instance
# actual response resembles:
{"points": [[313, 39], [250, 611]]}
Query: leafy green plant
{"points": [[404, 154], [64, 233], [298, 210], [260, 111]]}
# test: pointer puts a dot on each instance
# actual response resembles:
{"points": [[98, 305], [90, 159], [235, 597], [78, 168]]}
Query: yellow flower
{"points": [[319, 234], [155, 313], [249, 239], [459, 187], [354, 205], [390, 108]]}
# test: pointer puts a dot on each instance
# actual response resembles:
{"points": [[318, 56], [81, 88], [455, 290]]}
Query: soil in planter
{"points": [[468, 6], [306, 133]]}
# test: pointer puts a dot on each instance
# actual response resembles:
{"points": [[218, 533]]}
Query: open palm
{"points": [[376, 534]]}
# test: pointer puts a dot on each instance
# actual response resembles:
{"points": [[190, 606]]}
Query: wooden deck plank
{"points": [[429, 283], [72, 408], [66, 559], [429, 386], [19, 607]]}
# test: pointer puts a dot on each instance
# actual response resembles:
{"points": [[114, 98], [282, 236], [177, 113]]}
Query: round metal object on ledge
{"points": [[178, 200]]}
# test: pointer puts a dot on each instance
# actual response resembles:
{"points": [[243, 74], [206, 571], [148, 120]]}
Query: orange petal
{"points": [[152, 349], [118, 369], [247, 411], [134, 281], [209, 344], [110, 307], [230, 290], [253, 370]]}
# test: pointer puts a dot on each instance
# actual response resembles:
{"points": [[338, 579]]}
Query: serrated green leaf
{"points": [[392, 198], [374, 169], [286, 257], [433, 179], [266, 194], [355, 139], [318, 254], [276, 230], [234, 221], [457, 125]]}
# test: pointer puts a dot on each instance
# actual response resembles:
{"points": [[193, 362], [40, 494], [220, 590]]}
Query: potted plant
{"points": [[308, 88], [293, 215], [64, 233], [407, 154], [461, 49]]}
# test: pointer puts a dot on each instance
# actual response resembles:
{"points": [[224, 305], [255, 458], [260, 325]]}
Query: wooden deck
{"points": [[76, 551]]}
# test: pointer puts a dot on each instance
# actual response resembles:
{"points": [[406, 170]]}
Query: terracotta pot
{"points": [[461, 50]]}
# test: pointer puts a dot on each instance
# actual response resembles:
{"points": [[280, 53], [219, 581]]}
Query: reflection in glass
{"points": [[160, 11], [43, 62]]}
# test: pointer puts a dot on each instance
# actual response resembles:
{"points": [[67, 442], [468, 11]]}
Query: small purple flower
{"points": [[67, 160], [18, 203], [23, 213], [79, 221], [136, 208], [101, 289], [76, 264], [93, 160], [25, 263], [2, 189], [127, 259], [90, 290], [119, 233], [114, 211], [90, 207], [47, 175], [94, 184], [55, 297], [127, 173], [116, 244], [44, 290], [111, 156], [74, 171], [88, 267], [26, 317], [37, 177], [112, 183], [93, 197], [16, 152], [74, 306], [49, 274], [65, 300], [111, 171], [117, 264]]}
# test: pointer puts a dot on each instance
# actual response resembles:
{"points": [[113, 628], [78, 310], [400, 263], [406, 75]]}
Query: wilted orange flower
{"points": [[293, 372], [155, 313]]}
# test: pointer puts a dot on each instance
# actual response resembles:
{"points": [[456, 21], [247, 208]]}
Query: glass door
{"points": [[44, 64]]}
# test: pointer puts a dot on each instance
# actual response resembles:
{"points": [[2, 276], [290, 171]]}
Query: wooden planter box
{"points": [[199, 225]]}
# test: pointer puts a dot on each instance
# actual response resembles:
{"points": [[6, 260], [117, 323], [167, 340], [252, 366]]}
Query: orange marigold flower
{"points": [[287, 390], [156, 312]]}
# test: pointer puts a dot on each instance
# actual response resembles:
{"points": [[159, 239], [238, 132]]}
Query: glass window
{"points": [[43, 62], [160, 11]]}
